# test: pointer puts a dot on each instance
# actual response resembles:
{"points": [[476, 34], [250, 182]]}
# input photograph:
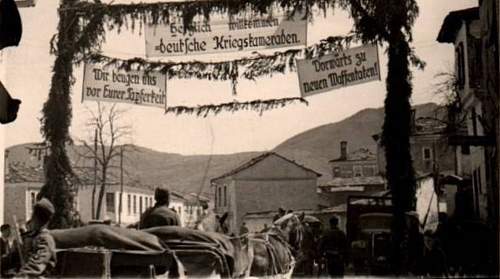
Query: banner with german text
{"points": [[246, 32], [109, 84], [349, 67]]}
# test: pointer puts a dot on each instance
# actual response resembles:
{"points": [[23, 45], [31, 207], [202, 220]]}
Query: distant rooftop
{"points": [[429, 126], [354, 181], [362, 154], [256, 160]]}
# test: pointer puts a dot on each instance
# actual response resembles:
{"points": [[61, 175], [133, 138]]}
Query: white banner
{"points": [[349, 67], [236, 33], [109, 84]]}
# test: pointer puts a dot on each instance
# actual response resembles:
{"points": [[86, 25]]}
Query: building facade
{"points": [[265, 183], [429, 147], [353, 173], [463, 29]]}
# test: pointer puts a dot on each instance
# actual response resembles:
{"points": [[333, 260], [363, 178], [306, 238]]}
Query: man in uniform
{"points": [[243, 229], [159, 214], [333, 247], [39, 248]]}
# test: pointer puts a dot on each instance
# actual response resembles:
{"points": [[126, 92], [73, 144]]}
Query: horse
{"points": [[213, 223], [266, 253], [273, 250]]}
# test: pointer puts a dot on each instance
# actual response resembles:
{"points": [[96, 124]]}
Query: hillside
{"points": [[312, 148], [178, 172], [315, 147]]}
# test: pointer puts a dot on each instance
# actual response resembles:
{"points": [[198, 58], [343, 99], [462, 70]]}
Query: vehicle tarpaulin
{"points": [[201, 253], [106, 236]]}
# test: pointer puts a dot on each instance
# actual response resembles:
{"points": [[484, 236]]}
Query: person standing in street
{"points": [[333, 247], [7, 249], [243, 229], [39, 248], [160, 214]]}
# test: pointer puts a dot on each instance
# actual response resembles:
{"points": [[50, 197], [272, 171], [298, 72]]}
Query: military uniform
{"points": [[159, 216], [39, 250], [333, 246]]}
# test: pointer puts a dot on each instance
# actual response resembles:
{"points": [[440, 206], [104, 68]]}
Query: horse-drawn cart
{"points": [[101, 251]]}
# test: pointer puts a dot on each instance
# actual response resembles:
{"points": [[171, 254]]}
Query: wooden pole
{"points": [[95, 176], [121, 187]]}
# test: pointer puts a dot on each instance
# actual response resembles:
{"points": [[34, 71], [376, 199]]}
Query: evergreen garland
{"points": [[256, 105], [254, 67]]}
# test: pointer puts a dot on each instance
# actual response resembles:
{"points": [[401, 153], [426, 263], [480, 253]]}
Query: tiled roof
{"points": [[453, 21], [354, 181], [19, 172], [362, 154], [256, 160], [429, 126]]}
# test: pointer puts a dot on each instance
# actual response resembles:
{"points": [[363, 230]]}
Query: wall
{"points": [[347, 167], [269, 195], [442, 153], [340, 197], [15, 192], [271, 183]]}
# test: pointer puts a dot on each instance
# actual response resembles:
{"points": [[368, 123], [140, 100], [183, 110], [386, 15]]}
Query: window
{"points": [[368, 171], [216, 198], [128, 204], [459, 52], [336, 172], [140, 204], [358, 171], [135, 205], [220, 196], [465, 149], [427, 158], [479, 181], [33, 199], [110, 202], [225, 195], [474, 121], [427, 152]]}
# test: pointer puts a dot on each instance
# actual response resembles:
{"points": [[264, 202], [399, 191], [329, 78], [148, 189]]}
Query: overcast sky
{"points": [[28, 73]]}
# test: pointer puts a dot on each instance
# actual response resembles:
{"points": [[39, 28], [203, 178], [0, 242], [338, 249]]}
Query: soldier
{"points": [[159, 214], [39, 248], [243, 229], [333, 247], [8, 249]]}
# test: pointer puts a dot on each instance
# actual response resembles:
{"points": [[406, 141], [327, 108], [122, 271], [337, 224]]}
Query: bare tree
{"points": [[107, 145]]}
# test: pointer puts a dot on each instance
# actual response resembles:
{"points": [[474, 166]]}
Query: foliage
{"points": [[56, 120], [254, 67], [446, 87], [256, 105]]}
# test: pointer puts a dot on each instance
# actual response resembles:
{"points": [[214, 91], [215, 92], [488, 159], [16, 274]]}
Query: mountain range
{"points": [[192, 173]]}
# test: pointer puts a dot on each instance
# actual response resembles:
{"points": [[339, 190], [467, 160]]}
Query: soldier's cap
{"points": [[45, 206], [162, 194]]}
